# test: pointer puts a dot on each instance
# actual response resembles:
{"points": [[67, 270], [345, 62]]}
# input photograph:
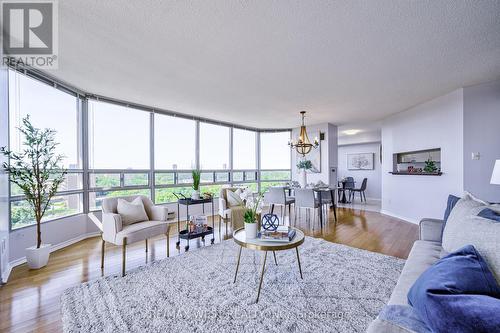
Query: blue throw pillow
{"points": [[489, 214], [452, 201], [458, 294]]}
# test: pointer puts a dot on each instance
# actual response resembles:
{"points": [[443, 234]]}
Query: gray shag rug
{"points": [[343, 290]]}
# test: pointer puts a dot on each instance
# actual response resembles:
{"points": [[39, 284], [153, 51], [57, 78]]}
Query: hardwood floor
{"points": [[29, 302]]}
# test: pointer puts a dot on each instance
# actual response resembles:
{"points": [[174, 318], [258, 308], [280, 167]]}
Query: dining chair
{"points": [[347, 185], [277, 196], [361, 191], [326, 201], [305, 198]]}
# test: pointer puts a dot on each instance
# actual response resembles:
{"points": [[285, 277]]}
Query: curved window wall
{"points": [[113, 149]]}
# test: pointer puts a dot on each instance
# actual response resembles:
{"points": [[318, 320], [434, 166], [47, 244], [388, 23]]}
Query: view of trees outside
{"points": [[60, 206], [118, 141]]}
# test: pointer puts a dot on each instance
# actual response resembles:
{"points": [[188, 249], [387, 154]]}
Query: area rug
{"points": [[343, 290]]}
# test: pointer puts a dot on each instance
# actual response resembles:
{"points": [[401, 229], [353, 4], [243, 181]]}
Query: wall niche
{"points": [[419, 163]]}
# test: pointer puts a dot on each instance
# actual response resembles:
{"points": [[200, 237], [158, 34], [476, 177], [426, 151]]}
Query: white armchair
{"points": [[113, 230]]}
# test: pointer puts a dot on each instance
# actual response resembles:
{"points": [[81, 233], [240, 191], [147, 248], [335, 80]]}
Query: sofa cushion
{"points": [[457, 294], [483, 233], [422, 255], [452, 201], [131, 212]]}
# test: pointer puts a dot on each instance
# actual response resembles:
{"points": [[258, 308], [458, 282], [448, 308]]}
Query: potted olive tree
{"points": [[36, 170], [196, 184]]}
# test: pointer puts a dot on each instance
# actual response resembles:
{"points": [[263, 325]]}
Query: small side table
{"points": [[256, 244], [190, 202]]}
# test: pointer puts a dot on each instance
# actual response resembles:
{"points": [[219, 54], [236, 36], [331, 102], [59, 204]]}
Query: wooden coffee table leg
{"points": [[298, 259], [261, 276], [238, 264]]}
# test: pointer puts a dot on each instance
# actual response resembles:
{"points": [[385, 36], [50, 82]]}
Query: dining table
{"points": [[320, 191]]}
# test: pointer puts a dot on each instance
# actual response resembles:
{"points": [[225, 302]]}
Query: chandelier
{"points": [[303, 145]]}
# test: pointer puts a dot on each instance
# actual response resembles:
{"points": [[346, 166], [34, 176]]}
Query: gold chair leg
{"points": [[238, 264], [275, 261], [146, 241], [103, 247], [124, 251], [168, 241], [298, 260]]}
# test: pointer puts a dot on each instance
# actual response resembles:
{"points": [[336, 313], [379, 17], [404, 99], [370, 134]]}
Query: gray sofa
{"points": [[425, 252]]}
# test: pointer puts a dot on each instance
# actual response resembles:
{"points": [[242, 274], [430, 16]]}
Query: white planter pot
{"points": [[251, 230], [38, 258], [195, 195], [303, 178]]}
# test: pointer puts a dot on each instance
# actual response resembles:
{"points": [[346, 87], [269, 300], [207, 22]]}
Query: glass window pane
{"points": [[275, 175], [95, 198], [72, 182], [175, 146], [104, 180], [264, 186], [118, 137], [207, 177], [135, 179], [214, 147], [212, 189], [60, 206], [165, 195], [164, 178], [250, 175], [184, 178], [274, 151], [244, 149], [47, 107], [237, 176], [221, 177]]}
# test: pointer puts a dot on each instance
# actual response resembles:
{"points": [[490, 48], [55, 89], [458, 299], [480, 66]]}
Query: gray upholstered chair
{"points": [[114, 232]]}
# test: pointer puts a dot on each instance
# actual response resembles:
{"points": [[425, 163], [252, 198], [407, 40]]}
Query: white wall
{"points": [[374, 184], [481, 135], [435, 124], [4, 184], [328, 153]]}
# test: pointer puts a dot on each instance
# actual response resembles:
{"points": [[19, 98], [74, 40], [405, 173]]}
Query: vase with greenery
{"points": [[303, 166], [38, 173], [253, 208], [196, 184]]}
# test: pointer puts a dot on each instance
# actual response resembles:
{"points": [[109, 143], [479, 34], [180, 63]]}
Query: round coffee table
{"points": [[239, 237]]}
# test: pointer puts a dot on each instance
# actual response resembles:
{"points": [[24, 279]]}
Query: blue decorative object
{"points": [[489, 214], [458, 294], [270, 222]]}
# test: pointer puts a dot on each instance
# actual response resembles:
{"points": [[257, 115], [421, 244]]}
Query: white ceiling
{"points": [[259, 63]]}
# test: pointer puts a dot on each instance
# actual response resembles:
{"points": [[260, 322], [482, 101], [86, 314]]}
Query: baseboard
{"points": [[404, 218], [56, 247]]}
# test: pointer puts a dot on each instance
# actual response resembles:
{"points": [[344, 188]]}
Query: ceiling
{"points": [[258, 63]]}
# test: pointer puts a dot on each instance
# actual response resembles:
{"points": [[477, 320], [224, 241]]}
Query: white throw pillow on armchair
{"points": [[233, 198], [132, 212]]}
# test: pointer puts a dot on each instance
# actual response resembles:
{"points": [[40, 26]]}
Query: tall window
{"points": [[274, 151], [214, 147], [118, 137], [244, 150], [175, 143], [47, 107]]}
